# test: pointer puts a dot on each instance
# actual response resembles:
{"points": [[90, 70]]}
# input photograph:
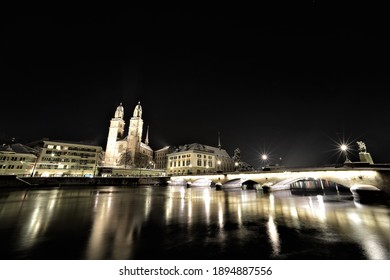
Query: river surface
{"points": [[199, 223]]}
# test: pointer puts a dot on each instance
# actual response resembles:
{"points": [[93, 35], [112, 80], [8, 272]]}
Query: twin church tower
{"points": [[128, 150]]}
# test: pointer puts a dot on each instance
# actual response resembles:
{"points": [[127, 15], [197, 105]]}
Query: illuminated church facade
{"points": [[128, 151]]}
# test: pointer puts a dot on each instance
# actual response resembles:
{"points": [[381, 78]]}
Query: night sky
{"points": [[293, 85]]}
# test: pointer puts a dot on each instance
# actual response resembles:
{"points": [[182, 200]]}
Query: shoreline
{"points": [[12, 181]]}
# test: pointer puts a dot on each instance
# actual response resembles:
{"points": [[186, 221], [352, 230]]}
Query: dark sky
{"points": [[293, 83]]}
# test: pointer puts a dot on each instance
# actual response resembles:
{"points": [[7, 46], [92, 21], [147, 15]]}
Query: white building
{"points": [[17, 159], [161, 156], [62, 158], [199, 159]]}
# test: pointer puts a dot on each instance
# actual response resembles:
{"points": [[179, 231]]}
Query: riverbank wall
{"points": [[11, 181]]}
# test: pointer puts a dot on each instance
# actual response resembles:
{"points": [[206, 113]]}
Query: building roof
{"points": [[143, 145], [164, 149], [6, 148], [202, 148], [41, 141], [18, 149]]}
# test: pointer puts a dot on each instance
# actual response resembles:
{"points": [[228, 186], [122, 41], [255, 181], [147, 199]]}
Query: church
{"points": [[128, 151]]}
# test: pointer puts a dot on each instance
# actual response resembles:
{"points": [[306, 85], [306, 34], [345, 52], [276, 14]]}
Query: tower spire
{"points": [[138, 111], [147, 136], [119, 112], [219, 141]]}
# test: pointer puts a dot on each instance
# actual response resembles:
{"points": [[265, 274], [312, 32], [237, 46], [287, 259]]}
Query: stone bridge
{"points": [[354, 178]]}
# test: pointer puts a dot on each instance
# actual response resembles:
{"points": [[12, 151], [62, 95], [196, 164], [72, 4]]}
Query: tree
{"points": [[240, 165], [237, 155], [126, 159], [141, 160]]}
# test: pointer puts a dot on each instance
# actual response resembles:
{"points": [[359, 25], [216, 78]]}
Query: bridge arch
{"points": [[249, 185], [243, 183], [317, 186]]}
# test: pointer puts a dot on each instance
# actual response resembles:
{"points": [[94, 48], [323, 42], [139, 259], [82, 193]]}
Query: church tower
{"points": [[128, 151], [116, 130], [134, 137]]}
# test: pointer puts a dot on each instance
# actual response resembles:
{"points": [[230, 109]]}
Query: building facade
{"points": [[128, 151], [161, 156], [199, 159], [62, 158], [17, 159]]}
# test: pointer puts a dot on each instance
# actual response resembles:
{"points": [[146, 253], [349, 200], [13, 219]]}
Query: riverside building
{"points": [[196, 158], [17, 159], [63, 158]]}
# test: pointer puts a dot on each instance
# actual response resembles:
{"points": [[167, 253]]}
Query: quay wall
{"points": [[11, 181]]}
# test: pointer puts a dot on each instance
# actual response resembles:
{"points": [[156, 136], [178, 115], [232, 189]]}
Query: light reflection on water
{"points": [[175, 222]]}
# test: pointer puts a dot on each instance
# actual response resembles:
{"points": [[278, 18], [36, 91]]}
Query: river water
{"points": [[199, 223]]}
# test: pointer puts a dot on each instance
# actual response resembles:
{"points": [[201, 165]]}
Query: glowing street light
{"points": [[344, 149], [264, 159]]}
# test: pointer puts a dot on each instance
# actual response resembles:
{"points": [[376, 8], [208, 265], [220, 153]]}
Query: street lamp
{"points": [[264, 159], [344, 149], [236, 166], [219, 166]]}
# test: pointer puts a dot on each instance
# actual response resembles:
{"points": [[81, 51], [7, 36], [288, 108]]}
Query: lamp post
{"points": [[219, 166], [344, 149], [264, 159]]}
